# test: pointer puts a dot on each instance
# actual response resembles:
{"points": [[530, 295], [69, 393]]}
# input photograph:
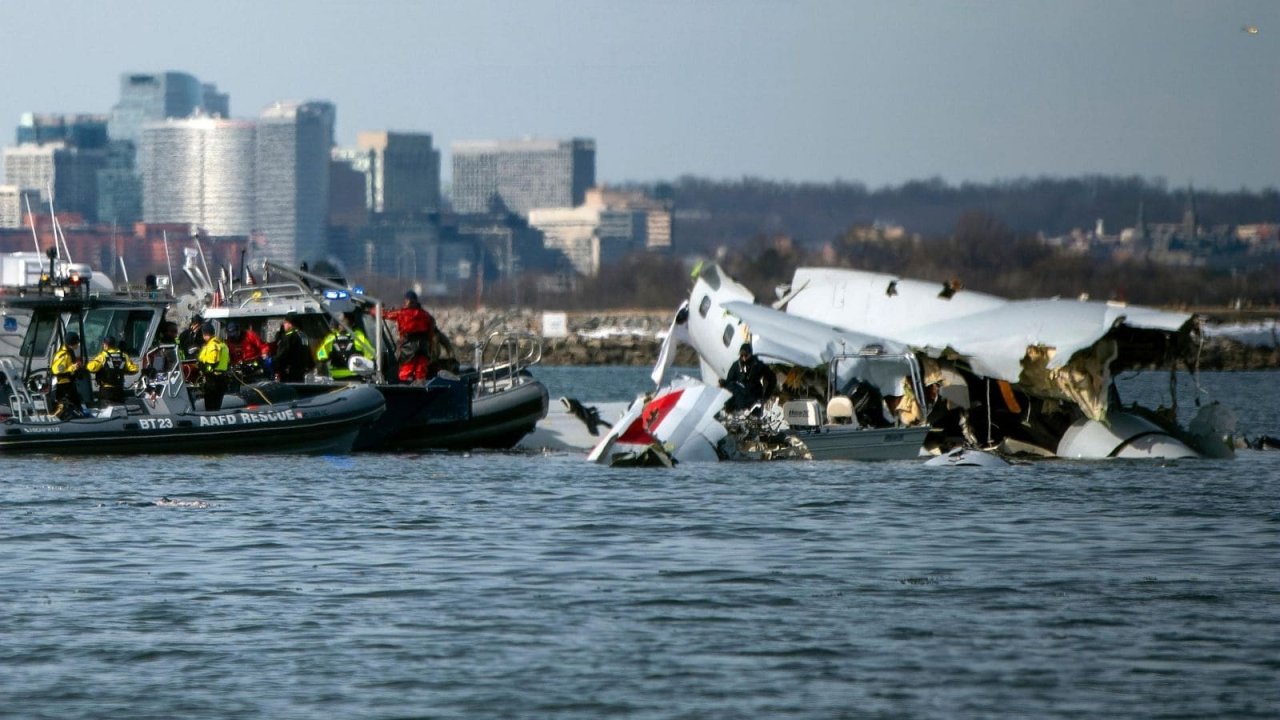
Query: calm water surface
{"points": [[496, 585]]}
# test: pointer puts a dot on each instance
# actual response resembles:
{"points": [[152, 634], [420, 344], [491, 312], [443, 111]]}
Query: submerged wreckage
{"points": [[868, 366]]}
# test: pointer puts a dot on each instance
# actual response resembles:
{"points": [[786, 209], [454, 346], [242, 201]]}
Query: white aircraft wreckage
{"points": [[867, 366]]}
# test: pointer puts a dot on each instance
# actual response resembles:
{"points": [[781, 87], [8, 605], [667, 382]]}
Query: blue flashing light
{"points": [[336, 295]]}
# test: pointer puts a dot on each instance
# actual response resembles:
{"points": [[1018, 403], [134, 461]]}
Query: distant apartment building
{"points": [[13, 204], [521, 175], [62, 153], [403, 172], [605, 228], [69, 172], [656, 233], [200, 171], [291, 179]]}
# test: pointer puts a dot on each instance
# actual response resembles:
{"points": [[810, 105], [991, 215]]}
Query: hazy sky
{"points": [[874, 92]]}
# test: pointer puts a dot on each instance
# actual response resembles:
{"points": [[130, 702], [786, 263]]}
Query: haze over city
{"points": [[870, 92]]}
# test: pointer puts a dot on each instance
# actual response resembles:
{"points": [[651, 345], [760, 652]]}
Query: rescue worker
{"points": [[749, 379], [292, 358], [67, 364], [191, 339], [214, 359], [247, 351], [416, 328], [339, 346], [110, 366]]}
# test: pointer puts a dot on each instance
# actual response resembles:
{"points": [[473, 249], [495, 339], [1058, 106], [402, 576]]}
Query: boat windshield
{"points": [[130, 327]]}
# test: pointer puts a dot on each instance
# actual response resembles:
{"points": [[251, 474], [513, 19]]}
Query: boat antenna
{"points": [[123, 270], [200, 249], [31, 220], [57, 229], [168, 261]]}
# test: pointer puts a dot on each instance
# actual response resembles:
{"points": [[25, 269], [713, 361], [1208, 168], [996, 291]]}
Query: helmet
{"points": [[746, 348], [411, 296], [73, 338], [291, 317], [109, 340], [233, 329], [207, 329]]}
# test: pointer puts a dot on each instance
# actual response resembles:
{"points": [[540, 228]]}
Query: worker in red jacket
{"points": [[247, 351], [415, 327]]}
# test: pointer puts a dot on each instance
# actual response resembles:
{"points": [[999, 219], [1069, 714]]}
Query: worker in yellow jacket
{"points": [[214, 359], [110, 366], [67, 364]]}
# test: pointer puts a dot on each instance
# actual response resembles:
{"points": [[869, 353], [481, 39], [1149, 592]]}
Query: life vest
{"points": [[215, 356], [340, 352], [113, 367]]}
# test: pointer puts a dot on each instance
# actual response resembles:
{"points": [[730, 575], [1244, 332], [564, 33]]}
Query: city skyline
{"points": [[871, 92]]}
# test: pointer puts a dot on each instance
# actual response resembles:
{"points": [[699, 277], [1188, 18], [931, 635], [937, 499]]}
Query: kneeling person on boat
{"points": [[110, 366], [214, 360], [339, 346]]}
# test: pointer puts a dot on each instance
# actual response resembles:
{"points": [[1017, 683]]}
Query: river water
{"points": [[502, 585]]}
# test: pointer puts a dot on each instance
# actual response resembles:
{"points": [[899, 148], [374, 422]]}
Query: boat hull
{"points": [[326, 424], [844, 442], [429, 418]]}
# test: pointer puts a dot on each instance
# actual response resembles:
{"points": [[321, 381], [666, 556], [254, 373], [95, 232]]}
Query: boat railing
{"points": [[27, 405], [250, 295], [502, 356]]}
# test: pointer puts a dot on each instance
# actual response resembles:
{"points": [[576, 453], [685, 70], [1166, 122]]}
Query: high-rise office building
{"points": [[87, 132], [149, 97], [291, 179], [146, 98], [267, 177], [403, 171], [522, 175], [200, 171]]}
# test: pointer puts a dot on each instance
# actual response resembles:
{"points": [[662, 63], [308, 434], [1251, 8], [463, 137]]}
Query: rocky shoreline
{"points": [[633, 337]]}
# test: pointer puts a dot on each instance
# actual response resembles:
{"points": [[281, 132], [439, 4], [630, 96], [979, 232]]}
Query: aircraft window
{"points": [[729, 332], [704, 306]]}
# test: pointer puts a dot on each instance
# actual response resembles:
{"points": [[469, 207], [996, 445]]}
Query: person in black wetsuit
{"points": [[749, 379]]}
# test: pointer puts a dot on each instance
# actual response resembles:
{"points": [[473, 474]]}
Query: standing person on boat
{"points": [[749, 379], [214, 360], [110, 366], [416, 327], [247, 351], [292, 358], [67, 364], [339, 346], [191, 339]]}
